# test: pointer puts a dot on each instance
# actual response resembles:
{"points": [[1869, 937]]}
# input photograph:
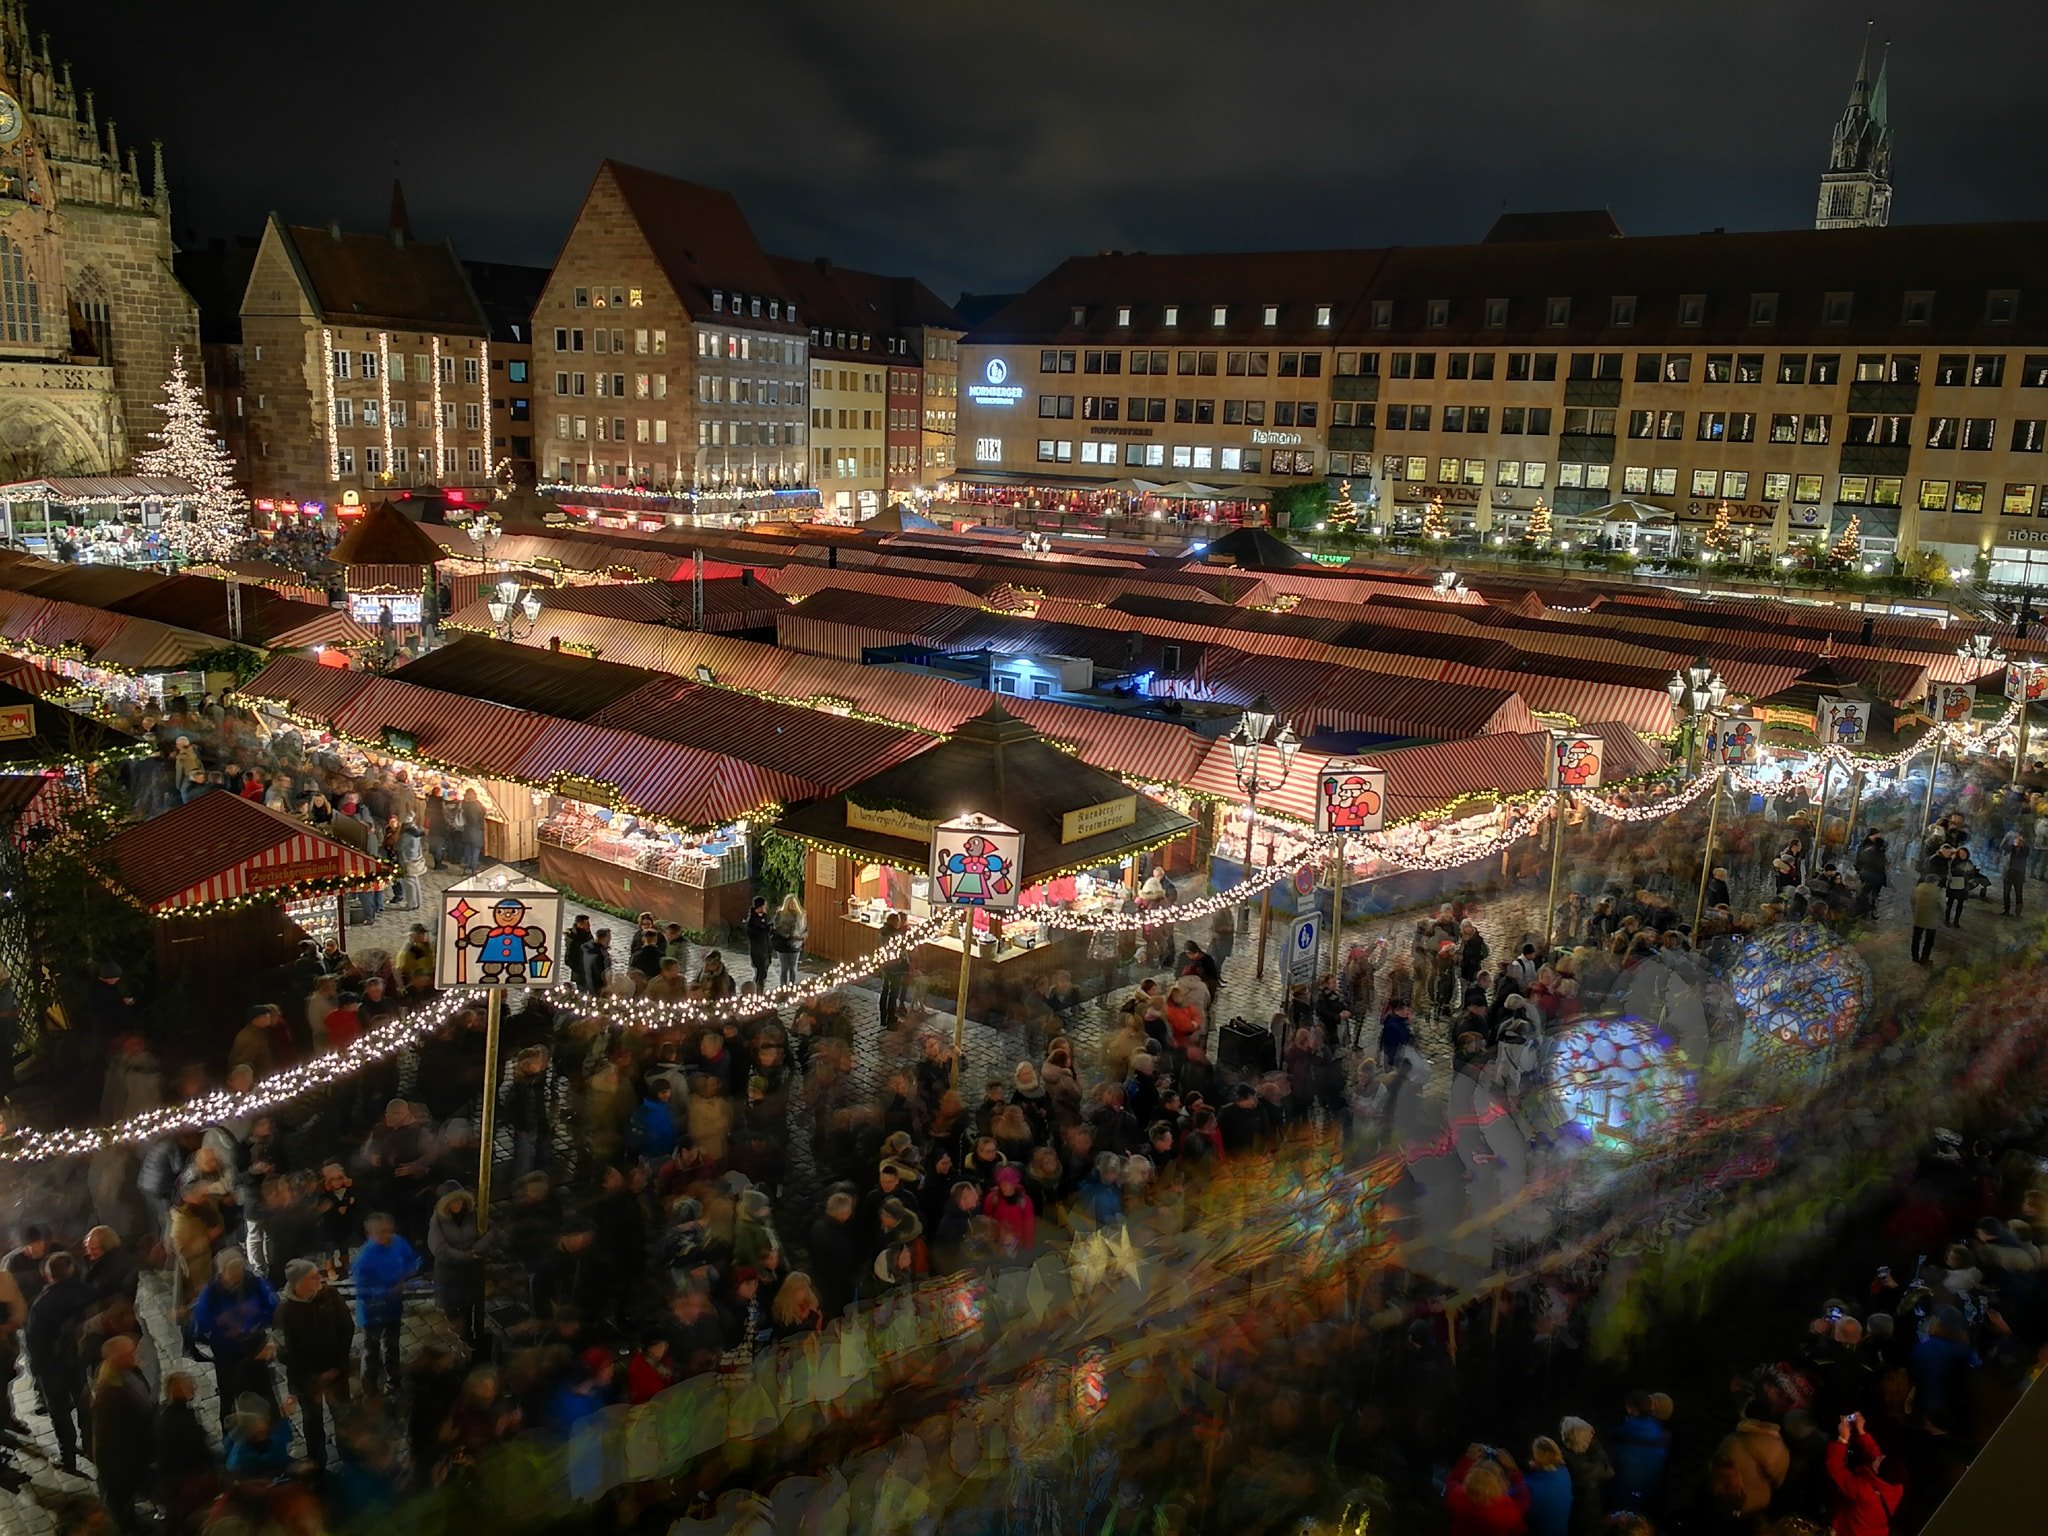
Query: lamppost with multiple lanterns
{"points": [[1261, 758], [1696, 692]]}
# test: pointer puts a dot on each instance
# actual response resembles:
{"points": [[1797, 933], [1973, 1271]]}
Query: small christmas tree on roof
{"points": [[1849, 547], [187, 449], [1434, 525], [1723, 537], [1343, 511], [1539, 529]]}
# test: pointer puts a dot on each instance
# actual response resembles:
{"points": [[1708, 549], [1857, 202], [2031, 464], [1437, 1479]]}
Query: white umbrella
{"points": [[1482, 515], [1781, 527]]}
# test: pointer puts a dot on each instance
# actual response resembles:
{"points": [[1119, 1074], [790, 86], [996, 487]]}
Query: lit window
{"points": [[1171, 315], [1219, 314], [1322, 314]]}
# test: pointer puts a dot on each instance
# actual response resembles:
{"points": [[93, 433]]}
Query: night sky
{"points": [[976, 145]]}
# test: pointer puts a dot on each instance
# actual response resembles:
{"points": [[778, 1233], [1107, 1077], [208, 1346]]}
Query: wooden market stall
{"points": [[868, 847], [387, 560], [234, 886]]}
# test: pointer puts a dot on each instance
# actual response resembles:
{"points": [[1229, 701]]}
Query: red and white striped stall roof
{"points": [[474, 734], [305, 688], [220, 847], [671, 782]]}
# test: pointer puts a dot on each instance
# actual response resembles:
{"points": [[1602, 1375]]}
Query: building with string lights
{"points": [[366, 364]]}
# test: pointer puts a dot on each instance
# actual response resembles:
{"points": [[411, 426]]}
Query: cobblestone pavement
{"points": [[1504, 917]]}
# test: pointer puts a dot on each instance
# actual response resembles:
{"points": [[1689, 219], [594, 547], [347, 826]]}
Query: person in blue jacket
{"points": [[583, 1392], [382, 1266], [652, 1132], [259, 1440], [1639, 1446], [1101, 1193], [231, 1317], [1549, 1483]]}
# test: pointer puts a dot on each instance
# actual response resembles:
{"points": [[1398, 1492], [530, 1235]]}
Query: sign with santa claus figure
{"points": [[1842, 722], [1575, 760], [1731, 740], [1351, 797], [975, 863], [1954, 702], [2027, 680]]}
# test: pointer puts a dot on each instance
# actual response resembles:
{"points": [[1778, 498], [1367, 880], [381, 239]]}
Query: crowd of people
{"points": [[678, 1201]]}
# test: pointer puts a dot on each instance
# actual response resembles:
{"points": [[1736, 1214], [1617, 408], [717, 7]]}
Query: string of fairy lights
{"points": [[401, 1034]]}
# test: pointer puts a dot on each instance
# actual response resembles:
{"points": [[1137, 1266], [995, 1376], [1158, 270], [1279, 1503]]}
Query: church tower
{"points": [[1856, 188]]}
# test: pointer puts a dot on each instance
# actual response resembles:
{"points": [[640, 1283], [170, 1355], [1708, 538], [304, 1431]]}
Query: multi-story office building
{"points": [[1898, 376], [366, 364], [667, 350]]}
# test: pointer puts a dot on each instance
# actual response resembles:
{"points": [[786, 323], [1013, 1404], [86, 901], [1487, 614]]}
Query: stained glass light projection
{"points": [[1621, 1080], [1802, 992]]}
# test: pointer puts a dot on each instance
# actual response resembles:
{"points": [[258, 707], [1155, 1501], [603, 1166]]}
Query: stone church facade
{"points": [[90, 309]]}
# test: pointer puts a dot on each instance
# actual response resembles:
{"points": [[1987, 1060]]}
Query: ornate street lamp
{"points": [[1261, 759]]}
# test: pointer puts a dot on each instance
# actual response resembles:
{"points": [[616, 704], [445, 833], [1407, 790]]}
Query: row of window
{"points": [[716, 389], [1236, 365], [645, 342], [847, 379], [1515, 420], [1219, 314], [611, 429], [846, 420], [609, 298], [364, 365], [347, 412], [1192, 456], [402, 460], [866, 464], [2001, 307], [646, 386], [1200, 413], [1950, 369]]}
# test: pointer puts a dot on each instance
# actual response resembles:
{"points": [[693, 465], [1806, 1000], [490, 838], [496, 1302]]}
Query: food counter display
{"points": [[623, 861]]}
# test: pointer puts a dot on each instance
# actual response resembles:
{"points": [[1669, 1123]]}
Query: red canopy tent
{"points": [[228, 880]]}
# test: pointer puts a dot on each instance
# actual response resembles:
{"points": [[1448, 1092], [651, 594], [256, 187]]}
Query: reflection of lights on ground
{"points": [[1802, 992]]}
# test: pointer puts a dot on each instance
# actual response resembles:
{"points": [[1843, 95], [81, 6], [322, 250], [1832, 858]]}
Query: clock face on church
{"points": [[10, 119]]}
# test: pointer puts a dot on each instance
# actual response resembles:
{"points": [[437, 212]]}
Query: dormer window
{"points": [[1080, 314], [1323, 315], [1835, 308], [774, 309], [1271, 315], [756, 310], [1172, 315], [1557, 312], [2001, 306], [1763, 309], [1918, 308], [1692, 308], [1219, 314], [792, 314], [1438, 315], [1123, 314], [1383, 314], [1621, 310], [718, 301], [1496, 314]]}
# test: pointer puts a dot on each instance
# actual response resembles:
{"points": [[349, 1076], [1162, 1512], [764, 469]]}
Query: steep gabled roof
{"points": [[379, 280], [702, 240], [386, 536]]}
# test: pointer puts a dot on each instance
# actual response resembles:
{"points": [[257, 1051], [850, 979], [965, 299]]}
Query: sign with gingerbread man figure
{"points": [[1575, 760], [500, 929], [1351, 797], [1842, 722], [975, 862]]}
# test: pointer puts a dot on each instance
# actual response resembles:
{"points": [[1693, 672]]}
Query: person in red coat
{"points": [[649, 1372], [1011, 1208], [1863, 1501], [1486, 1495]]}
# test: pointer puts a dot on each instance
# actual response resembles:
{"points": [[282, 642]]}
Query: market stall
{"points": [[868, 848], [387, 563], [93, 519], [632, 863], [235, 887]]}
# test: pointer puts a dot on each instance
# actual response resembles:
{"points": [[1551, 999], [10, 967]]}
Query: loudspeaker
{"points": [[1246, 1047]]}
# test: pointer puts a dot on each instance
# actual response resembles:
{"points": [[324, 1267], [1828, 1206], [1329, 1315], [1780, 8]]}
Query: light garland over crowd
{"points": [[403, 1033]]}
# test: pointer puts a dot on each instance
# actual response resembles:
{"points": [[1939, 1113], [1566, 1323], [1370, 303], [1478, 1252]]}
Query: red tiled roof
{"points": [[702, 240]]}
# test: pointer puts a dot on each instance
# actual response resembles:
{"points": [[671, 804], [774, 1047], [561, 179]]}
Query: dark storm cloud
{"points": [[976, 145]]}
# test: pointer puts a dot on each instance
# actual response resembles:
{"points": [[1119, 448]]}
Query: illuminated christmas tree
{"points": [[187, 449], [1434, 527], [1538, 531], [1343, 511], [1849, 547], [1723, 538]]}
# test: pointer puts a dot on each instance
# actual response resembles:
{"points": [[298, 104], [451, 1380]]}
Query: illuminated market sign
{"points": [[1278, 439], [1093, 820], [997, 390], [368, 607]]}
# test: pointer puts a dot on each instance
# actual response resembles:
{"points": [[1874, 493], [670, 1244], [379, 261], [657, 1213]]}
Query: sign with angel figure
{"points": [[975, 863]]}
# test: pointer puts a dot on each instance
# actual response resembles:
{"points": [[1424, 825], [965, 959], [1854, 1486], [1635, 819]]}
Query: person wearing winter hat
{"points": [[1100, 1196], [459, 1250], [744, 1315], [902, 1259], [318, 1335]]}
